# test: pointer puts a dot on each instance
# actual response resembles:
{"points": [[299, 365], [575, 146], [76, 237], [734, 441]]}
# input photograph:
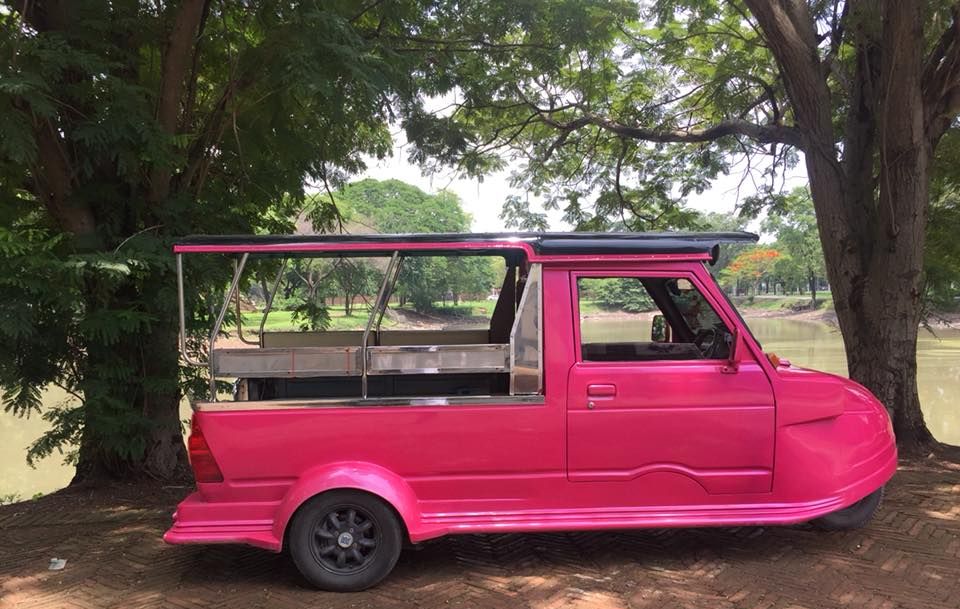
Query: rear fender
{"points": [[358, 475]]}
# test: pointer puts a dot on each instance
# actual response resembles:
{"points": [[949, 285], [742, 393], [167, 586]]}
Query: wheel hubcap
{"points": [[345, 540]]}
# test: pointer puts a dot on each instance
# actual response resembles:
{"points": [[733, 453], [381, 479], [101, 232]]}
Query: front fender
{"points": [[834, 438], [358, 475]]}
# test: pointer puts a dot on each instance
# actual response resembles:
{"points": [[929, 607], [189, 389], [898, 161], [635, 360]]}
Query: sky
{"points": [[484, 200]]}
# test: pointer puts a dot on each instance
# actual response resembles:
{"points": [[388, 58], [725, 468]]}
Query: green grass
{"points": [[589, 306], [776, 303], [466, 308], [282, 320]]}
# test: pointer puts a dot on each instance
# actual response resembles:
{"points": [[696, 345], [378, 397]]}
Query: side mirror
{"points": [[659, 330], [734, 349]]}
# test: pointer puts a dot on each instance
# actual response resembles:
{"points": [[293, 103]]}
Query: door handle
{"points": [[602, 391]]}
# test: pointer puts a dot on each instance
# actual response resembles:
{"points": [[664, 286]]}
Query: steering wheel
{"points": [[707, 341]]}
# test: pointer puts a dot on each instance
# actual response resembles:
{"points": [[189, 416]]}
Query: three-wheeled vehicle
{"points": [[654, 408]]}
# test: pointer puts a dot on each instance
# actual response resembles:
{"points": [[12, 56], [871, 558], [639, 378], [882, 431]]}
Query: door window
{"points": [[647, 319]]}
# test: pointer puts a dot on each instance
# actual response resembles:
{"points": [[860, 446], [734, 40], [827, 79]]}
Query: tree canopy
{"points": [[666, 94], [124, 125], [754, 264], [792, 221], [392, 206]]}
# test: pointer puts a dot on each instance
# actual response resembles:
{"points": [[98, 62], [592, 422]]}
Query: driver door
{"points": [[637, 406]]}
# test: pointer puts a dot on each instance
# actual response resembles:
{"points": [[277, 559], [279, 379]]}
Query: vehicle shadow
{"points": [[587, 556], [122, 565], [116, 559]]}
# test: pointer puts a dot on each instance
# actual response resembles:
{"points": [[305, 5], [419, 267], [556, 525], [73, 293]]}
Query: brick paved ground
{"points": [[908, 557]]}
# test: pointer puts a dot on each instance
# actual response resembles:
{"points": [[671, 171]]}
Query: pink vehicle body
{"points": [[744, 441]]}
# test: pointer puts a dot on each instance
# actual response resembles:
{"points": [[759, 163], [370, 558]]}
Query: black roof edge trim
{"points": [[542, 243]]}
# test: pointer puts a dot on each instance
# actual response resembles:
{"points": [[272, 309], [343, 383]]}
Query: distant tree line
{"points": [[390, 206], [792, 263]]}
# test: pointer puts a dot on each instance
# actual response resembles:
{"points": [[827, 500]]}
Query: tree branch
{"points": [[55, 182], [365, 10], [198, 157], [176, 60], [837, 30], [188, 105], [762, 133], [941, 81], [788, 30], [860, 128]]}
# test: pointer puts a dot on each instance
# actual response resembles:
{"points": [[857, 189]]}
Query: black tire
{"points": [[345, 540], [854, 516]]}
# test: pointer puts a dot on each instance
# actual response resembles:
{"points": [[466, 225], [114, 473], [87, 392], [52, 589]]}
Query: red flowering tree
{"points": [[753, 265]]}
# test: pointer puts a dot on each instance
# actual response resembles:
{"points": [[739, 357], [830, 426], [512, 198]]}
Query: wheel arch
{"points": [[365, 477]]}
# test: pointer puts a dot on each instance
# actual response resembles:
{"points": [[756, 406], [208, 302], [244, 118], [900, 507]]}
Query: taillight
{"points": [[205, 468]]}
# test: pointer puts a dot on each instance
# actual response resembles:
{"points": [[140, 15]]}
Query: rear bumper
{"points": [[199, 521]]}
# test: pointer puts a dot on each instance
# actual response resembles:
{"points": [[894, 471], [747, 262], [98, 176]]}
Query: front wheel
{"points": [[345, 540], [854, 516]]}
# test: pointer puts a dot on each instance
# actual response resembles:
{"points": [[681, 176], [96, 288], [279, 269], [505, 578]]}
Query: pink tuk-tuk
{"points": [[558, 414]]}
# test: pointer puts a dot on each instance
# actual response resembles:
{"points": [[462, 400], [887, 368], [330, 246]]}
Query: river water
{"points": [[819, 346], [808, 344]]}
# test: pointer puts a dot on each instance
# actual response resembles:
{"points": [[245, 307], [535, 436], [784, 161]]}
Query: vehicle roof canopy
{"points": [[537, 246]]}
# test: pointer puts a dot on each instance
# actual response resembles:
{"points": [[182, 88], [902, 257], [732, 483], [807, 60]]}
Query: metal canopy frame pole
{"points": [[216, 327], [393, 284], [183, 316], [381, 302], [240, 335], [270, 296]]}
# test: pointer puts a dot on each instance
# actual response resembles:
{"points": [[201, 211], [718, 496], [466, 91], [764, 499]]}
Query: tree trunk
{"points": [[131, 417], [164, 455], [873, 242], [894, 273], [886, 364], [812, 282], [262, 281], [877, 293], [871, 226]]}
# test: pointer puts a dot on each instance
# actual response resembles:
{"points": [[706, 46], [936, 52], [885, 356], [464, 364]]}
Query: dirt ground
{"points": [[909, 556]]}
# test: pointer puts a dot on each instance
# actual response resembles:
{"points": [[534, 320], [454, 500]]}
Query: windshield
{"points": [[690, 303], [733, 308]]}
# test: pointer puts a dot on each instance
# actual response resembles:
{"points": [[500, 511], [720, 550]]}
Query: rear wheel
{"points": [[345, 540], [854, 516]]}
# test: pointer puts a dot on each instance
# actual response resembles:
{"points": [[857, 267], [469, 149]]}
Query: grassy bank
{"points": [[283, 320], [785, 304], [279, 320]]}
